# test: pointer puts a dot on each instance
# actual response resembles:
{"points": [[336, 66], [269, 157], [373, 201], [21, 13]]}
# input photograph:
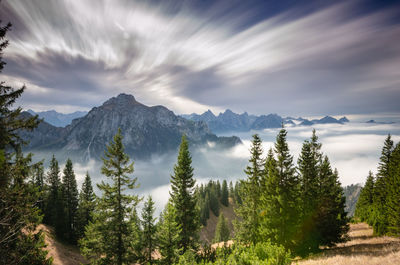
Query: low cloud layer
{"points": [[192, 55], [353, 148]]}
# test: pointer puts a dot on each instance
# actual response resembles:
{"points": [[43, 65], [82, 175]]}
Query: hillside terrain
{"points": [[362, 249]]}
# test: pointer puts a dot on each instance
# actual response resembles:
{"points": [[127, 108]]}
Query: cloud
{"points": [[190, 56]]}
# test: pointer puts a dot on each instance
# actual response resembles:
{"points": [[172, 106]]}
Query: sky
{"points": [[286, 57]]}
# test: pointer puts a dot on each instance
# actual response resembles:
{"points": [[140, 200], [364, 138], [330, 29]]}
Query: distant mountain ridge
{"points": [[229, 121], [58, 119], [146, 131]]}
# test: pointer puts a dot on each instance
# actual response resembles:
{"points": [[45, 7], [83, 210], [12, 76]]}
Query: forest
{"points": [[284, 209]]}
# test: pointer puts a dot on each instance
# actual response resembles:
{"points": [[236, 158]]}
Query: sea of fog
{"points": [[353, 148]]}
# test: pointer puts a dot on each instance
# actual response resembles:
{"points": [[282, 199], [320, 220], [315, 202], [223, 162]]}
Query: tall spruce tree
{"points": [[54, 213], [19, 214], [39, 182], [332, 221], [271, 198], [222, 232], [225, 194], [393, 196], [380, 222], [108, 239], [168, 238], [247, 229], [289, 186], [70, 200], [182, 195], [149, 230], [86, 205], [366, 200], [309, 165]]}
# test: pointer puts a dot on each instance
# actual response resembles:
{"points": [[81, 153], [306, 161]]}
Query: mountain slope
{"points": [[58, 119], [146, 131], [229, 121]]}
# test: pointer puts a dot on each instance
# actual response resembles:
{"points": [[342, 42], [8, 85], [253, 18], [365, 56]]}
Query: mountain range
{"points": [[229, 121], [146, 131], [58, 119]]}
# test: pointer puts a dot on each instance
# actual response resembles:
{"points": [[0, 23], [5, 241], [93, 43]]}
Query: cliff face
{"points": [[146, 131]]}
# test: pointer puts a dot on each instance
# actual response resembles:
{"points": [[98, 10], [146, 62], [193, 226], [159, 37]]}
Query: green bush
{"points": [[260, 254]]}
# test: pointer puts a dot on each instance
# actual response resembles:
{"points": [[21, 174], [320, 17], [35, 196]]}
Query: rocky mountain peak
{"points": [[121, 100]]}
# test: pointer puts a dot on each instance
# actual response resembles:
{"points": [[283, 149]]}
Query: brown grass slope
{"points": [[207, 232], [362, 249]]}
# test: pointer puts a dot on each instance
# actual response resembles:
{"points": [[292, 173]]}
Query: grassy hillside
{"points": [[362, 249], [207, 232]]}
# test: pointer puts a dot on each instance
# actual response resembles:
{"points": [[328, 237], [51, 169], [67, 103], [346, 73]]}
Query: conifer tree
{"points": [[108, 239], [225, 194], [366, 200], [309, 165], [247, 229], [86, 205], [54, 214], [168, 235], [149, 230], [332, 220], [70, 200], [39, 182], [289, 186], [19, 214], [380, 222], [271, 199], [393, 196], [213, 198], [183, 199], [222, 232]]}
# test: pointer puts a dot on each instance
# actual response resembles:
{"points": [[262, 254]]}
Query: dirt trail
{"points": [[362, 249], [62, 254]]}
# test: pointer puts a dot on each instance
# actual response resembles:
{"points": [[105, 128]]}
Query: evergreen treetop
{"points": [[182, 197]]}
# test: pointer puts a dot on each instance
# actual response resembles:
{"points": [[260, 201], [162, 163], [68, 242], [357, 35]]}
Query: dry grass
{"points": [[362, 249]]}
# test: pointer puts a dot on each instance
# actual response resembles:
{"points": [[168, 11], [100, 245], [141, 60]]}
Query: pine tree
{"points": [[86, 205], [309, 165], [289, 186], [108, 239], [149, 230], [247, 229], [393, 196], [380, 222], [222, 232], [183, 199], [54, 213], [271, 198], [366, 200], [39, 182], [168, 235], [70, 199], [19, 214], [225, 194], [332, 222], [213, 198]]}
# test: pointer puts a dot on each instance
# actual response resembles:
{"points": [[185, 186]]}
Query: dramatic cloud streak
{"points": [[194, 55]]}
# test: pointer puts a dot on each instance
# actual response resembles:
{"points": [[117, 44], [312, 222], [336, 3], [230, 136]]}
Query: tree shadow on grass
{"points": [[364, 249]]}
